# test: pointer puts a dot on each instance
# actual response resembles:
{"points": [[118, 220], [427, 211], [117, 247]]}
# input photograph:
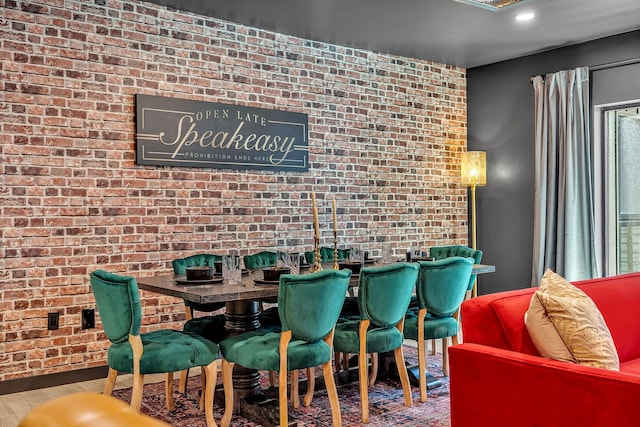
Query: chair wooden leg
{"points": [[404, 377], [111, 381], [282, 399], [422, 355], [203, 385], [168, 392], [272, 378], [285, 337], [203, 382], [337, 361], [374, 369], [227, 382], [336, 417], [445, 357], [210, 373], [311, 385], [138, 378], [433, 347], [295, 395], [422, 366], [362, 371], [364, 393], [136, 392], [184, 377]]}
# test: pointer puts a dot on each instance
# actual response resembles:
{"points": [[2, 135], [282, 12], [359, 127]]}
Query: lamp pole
{"points": [[474, 290], [473, 216]]}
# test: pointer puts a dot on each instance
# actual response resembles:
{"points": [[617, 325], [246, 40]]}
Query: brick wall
{"points": [[385, 135]]}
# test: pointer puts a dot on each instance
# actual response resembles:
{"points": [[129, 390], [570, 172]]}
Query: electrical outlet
{"points": [[53, 321], [88, 318]]}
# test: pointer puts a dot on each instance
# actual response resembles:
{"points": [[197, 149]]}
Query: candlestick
{"points": [[335, 219], [335, 237], [316, 226], [316, 240]]}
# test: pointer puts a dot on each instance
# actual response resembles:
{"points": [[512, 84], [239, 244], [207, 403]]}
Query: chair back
{"points": [[180, 266], [199, 260], [309, 304], [442, 252], [442, 285], [260, 260], [326, 255], [118, 302], [384, 292]]}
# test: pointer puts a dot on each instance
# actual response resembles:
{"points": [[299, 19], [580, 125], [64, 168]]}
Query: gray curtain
{"points": [[563, 218]]}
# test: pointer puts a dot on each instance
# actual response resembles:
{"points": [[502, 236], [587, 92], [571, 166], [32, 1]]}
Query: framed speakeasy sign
{"points": [[181, 132]]}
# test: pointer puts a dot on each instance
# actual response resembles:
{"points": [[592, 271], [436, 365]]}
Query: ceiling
{"points": [[445, 31]]}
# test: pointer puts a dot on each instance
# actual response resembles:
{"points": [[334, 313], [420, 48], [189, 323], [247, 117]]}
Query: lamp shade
{"points": [[473, 168]]}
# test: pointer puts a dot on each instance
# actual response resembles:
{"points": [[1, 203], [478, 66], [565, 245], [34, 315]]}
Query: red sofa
{"points": [[498, 378]]}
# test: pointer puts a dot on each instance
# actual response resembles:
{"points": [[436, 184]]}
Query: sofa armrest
{"points": [[496, 387]]}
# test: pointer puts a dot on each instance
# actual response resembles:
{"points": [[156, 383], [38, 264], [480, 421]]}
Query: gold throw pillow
{"points": [[565, 324]]}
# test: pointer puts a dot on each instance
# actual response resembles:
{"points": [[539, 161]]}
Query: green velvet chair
{"points": [[159, 351], [264, 259], [442, 252], [326, 255], [260, 260], [204, 326], [383, 298], [441, 288], [309, 306], [199, 260], [210, 327]]}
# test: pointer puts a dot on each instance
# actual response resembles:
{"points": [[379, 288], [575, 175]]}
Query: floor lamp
{"points": [[473, 173]]}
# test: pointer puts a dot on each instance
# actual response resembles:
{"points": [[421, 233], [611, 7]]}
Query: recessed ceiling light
{"points": [[526, 16], [494, 5]]}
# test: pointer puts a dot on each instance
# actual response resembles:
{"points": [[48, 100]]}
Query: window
{"points": [[622, 188]]}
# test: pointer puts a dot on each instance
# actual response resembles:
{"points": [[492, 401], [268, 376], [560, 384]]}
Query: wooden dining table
{"points": [[167, 284], [241, 315], [241, 299]]}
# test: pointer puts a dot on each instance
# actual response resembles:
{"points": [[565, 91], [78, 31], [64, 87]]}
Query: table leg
{"points": [[242, 316], [432, 382], [387, 369]]}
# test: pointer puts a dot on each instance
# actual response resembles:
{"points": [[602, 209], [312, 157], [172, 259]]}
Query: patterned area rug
{"points": [[386, 407]]}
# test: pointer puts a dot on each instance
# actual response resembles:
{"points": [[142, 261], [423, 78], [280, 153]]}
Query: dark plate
{"points": [[261, 282], [199, 282], [353, 266]]}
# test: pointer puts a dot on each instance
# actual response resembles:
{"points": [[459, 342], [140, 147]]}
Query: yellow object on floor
{"points": [[87, 409]]}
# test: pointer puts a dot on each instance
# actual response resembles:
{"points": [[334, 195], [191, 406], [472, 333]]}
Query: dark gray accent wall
{"points": [[612, 85], [501, 122]]}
